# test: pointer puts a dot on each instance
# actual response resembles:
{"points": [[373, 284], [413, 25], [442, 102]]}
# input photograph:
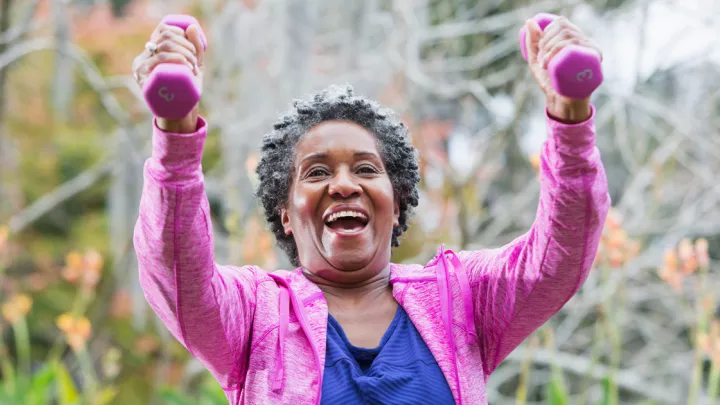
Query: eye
{"points": [[316, 172], [367, 169]]}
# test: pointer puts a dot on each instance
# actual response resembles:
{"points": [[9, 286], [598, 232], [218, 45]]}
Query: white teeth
{"points": [[346, 214]]}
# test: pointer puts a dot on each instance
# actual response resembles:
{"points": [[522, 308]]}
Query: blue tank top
{"points": [[400, 371]]}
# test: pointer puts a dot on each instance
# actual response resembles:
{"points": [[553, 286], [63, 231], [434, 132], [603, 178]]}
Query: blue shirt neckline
{"points": [[356, 350], [401, 370]]}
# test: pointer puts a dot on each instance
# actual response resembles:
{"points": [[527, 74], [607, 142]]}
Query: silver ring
{"points": [[151, 47]]}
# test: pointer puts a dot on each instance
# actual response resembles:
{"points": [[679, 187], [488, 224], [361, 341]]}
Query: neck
{"points": [[356, 295]]}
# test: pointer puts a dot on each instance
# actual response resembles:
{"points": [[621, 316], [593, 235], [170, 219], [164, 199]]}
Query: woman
{"points": [[338, 181]]}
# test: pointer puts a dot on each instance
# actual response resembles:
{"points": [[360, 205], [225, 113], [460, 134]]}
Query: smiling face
{"points": [[341, 209]]}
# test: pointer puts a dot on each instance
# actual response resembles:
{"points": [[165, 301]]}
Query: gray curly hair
{"points": [[275, 170]]}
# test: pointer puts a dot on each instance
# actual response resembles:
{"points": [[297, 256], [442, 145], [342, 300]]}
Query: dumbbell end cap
{"points": [[543, 20], [170, 91], [577, 72], [184, 21]]}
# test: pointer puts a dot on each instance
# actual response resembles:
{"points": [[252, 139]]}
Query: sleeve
{"points": [[518, 287], [207, 307]]}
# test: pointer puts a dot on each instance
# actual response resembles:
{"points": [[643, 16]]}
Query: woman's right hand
{"points": [[173, 46]]}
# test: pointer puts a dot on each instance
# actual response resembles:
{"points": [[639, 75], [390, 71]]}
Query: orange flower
{"points": [[690, 265], [85, 269], [671, 260], [16, 308], [686, 252], [4, 232], [77, 330], [617, 258], [93, 260], [683, 261], [701, 251], [73, 267], [710, 343], [618, 238], [616, 247], [613, 220], [146, 344], [685, 249]]}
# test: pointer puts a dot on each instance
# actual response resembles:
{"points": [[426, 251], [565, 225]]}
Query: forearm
{"points": [[186, 125], [568, 111]]}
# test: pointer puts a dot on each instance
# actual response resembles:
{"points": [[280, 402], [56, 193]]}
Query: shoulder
{"points": [[403, 272]]}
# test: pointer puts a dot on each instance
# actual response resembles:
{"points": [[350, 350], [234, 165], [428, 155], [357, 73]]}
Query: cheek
{"points": [[303, 206], [385, 198]]}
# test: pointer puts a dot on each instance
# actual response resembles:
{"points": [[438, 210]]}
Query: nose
{"points": [[344, 185]]}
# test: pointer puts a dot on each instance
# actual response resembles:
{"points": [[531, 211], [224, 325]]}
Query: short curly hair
{"points": [[275, 169]]}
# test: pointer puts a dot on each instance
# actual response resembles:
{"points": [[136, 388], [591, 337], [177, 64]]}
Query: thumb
{"points": [[195, 35], [533, 34]]}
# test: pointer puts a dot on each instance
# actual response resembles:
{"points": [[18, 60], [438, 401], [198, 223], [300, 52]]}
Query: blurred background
{"points": [[74, 133]]}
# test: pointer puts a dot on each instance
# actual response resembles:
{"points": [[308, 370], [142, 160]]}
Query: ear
{"points": [[285, 219], [396, 214]]}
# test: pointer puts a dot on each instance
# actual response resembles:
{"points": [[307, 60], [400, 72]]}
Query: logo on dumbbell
{"points": [[586, 74], [163, 93]]}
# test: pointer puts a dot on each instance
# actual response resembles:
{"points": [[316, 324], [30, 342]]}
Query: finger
{"points": [[551, 42], [558, 33], [533, 33], [162, 27], [137, 63], [163, 57], [194, 34], [177, 36], [557, 25], [174, 47], [559, 46]]}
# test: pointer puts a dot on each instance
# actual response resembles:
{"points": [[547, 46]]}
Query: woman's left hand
{"points": [[542, 47]]}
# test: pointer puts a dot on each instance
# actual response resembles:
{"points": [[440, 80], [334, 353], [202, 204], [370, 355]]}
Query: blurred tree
{"points": [[119, 7], [451, 68]]}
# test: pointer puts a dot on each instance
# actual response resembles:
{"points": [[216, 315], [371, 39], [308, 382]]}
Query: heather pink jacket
{"points": [[262, 335]]}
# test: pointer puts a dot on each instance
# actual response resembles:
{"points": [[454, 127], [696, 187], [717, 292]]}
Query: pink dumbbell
{"points": [[171, 90], [575, 72]]}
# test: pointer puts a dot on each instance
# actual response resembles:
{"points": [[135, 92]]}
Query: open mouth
{"points": [[346, 221]]}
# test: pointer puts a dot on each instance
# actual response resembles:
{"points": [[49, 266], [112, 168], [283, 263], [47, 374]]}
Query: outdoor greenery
{"points": [[74, 132]]}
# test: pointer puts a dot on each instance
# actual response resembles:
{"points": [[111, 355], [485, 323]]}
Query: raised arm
{"points": [[518, 287], [207, 307]]}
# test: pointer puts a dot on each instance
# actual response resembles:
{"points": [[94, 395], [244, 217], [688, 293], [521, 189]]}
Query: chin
{"points": [[349, 260]]}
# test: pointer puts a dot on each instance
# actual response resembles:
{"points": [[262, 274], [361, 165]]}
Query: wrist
{"points": [[569, 111], [186, 125]]}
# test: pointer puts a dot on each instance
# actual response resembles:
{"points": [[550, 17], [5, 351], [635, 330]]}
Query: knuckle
{"points": [[166, 46]]}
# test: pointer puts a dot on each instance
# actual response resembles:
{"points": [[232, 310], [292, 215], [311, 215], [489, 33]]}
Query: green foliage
{"points": [[610, 392], [51, 383], [556, 392], [210, 393]]}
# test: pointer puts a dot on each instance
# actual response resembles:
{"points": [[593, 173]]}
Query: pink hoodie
{"points": [[262, 335]]}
